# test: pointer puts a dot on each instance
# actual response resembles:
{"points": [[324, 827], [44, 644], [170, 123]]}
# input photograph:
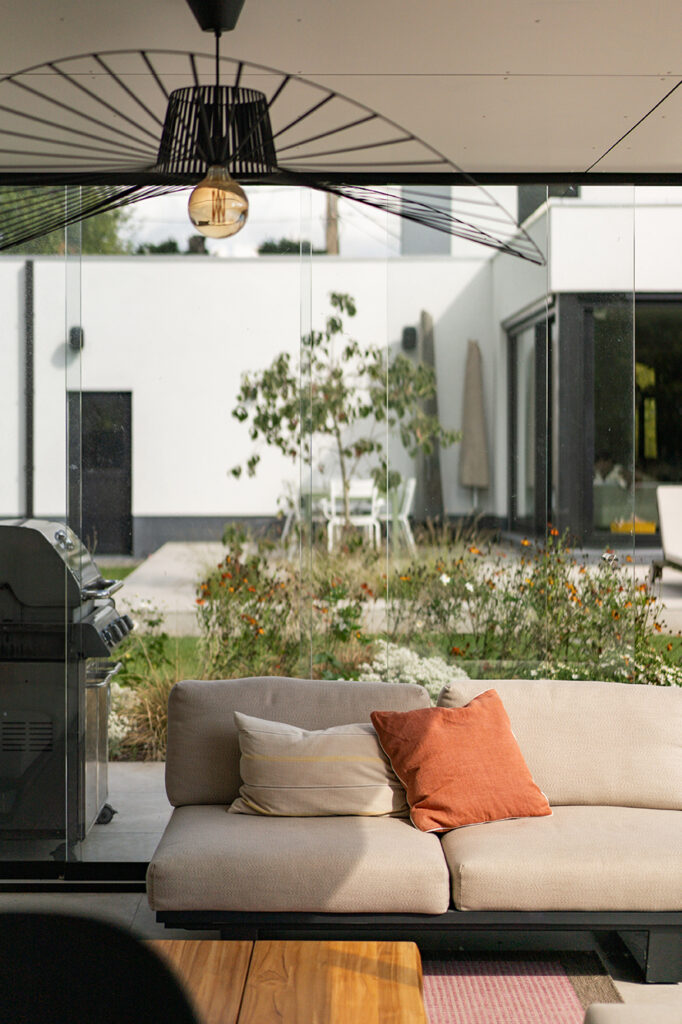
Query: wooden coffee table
{"points": [[291, 982]]}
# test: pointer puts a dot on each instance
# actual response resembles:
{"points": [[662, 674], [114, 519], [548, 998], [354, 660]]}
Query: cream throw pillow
{"points": [[292, 772]]}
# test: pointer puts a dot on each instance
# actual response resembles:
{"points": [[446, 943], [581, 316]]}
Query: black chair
{"points": [[61, 969]]}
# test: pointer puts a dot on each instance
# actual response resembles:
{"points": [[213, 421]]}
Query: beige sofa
{"points": [[607, 755]]}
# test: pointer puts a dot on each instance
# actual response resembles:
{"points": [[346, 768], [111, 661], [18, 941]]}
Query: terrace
{"points": [[159, 392]]}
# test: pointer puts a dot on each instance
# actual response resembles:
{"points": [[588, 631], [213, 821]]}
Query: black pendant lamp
{"points": [[222, 130]]}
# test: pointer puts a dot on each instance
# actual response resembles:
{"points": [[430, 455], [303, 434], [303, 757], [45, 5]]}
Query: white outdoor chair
{"points": [[669, 499], [387, 515], [362, 498], [301, 507]]}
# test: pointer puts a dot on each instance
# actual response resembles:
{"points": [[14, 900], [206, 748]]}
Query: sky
{"points": [[274, 212]]}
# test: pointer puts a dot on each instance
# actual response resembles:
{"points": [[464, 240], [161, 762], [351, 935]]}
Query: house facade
{"points": [[120, 374]]}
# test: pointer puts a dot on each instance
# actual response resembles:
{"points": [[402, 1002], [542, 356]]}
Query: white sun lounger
{"points": [[669, 498]]}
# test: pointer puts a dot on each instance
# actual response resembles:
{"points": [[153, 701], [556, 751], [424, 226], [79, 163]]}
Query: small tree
{"points": [[346, 393]]}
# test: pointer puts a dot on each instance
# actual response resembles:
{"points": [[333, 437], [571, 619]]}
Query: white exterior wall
{"points": [[55, 369], [178, 333], [11, 384]]}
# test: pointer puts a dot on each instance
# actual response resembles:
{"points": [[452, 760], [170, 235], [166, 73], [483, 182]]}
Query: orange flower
{"points": [[668, 647], [456, 650], [261, 630], [200, 600], [615, 614], [475, 551], [525, 543], [658, 627], [554, 532], [628, 558]]}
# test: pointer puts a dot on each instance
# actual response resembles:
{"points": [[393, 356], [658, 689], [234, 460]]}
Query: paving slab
{"points": [[167, 581]]}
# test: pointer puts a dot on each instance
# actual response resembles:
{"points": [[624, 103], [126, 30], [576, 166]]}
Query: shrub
{"points": [[139, 693], [549, 610], [247, 615], [395, 664], [339, 639]]}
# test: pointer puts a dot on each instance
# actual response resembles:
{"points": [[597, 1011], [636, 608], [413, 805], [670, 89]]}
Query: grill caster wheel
{"points": [[105, 815]]}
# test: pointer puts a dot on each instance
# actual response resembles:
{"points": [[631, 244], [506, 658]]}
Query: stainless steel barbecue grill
{"points": [[58, 630]]}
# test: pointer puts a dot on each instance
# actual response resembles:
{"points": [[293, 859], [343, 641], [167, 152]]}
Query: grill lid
{"points": [[44, 563]]}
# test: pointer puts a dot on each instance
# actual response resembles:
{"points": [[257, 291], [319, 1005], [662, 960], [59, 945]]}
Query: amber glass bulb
{"points": [[218, 206]]}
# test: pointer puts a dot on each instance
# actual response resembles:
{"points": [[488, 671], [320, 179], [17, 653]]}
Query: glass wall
{"points": [[387, 462]]}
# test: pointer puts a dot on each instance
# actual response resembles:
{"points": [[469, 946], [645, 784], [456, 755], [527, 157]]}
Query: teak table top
{"points": [[291, 982]]}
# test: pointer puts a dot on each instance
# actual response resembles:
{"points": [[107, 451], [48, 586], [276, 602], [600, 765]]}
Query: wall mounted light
{"points": [[76, 338]]}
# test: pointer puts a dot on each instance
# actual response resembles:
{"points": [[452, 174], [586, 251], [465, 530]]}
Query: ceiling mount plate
{"points": [[216, 15]]}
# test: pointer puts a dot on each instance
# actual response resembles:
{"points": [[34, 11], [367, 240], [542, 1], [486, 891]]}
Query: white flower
{"points": [[469, 587], [445, 579], [395, 664]]}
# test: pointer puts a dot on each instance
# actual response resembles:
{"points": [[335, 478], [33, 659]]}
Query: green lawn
{"points": [[116, 572]]}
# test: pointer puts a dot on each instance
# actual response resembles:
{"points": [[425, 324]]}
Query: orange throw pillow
{"points": [[459, 766]]}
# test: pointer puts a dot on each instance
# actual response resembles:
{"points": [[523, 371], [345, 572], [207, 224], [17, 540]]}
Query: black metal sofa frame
{"points": [[659, 955]]}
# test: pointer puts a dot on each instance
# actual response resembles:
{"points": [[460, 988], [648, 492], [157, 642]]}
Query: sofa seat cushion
{"points": [[211, 860], [580, 858]]}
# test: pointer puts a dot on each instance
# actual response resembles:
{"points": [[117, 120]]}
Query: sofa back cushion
{"points": [[592, 742], [202, 761]]}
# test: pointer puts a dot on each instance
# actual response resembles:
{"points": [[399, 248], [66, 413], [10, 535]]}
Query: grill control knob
{"points": [[106, 636], [116, 632], [129, 622]]}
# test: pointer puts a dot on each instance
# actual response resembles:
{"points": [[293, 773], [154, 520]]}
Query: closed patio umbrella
{"points": [[473, 454]]}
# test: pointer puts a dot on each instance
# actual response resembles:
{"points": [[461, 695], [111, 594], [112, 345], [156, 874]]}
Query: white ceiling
{"points": [[497, 86]]}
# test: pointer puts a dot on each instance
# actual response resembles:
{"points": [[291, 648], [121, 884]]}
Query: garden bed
{"points": [[458, 607]]}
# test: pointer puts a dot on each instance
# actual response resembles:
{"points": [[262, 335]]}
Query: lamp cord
{"points": [[218, 33]]}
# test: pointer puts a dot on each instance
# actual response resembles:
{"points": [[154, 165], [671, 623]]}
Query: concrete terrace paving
{"points": [[167, 580]]}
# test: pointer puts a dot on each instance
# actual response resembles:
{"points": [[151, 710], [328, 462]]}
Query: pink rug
{"points": [[499, 991]]}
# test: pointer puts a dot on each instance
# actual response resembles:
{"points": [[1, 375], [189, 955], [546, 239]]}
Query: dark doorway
{"points": [[530, 428], [100, 470], [658, 393]]}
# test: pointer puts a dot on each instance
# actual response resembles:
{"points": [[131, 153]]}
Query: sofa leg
{"points": [[663, 957]]}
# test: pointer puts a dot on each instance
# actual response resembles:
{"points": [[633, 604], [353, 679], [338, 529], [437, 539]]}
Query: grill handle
{"points": [[104, 588], [110, 672]]}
